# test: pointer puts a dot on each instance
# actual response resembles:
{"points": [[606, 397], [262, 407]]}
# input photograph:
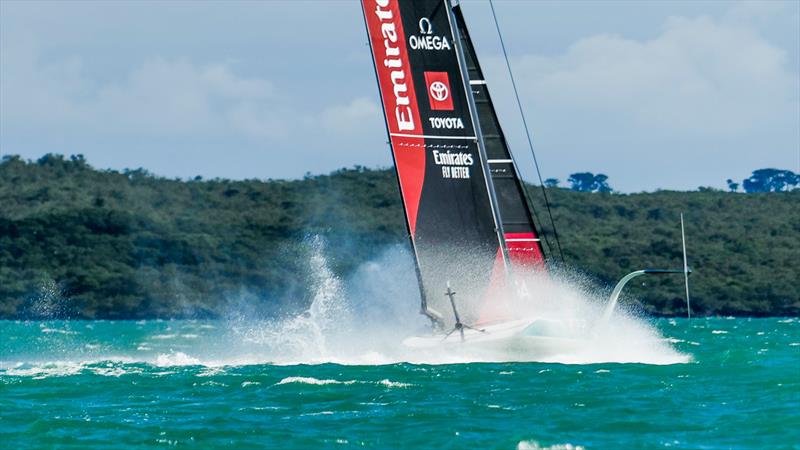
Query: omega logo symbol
{"points": [[425, 26], [439, 91]]}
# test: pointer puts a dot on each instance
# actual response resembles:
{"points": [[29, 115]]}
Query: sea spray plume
{"points": [[361, 319], [573, 303], [365, 318], [49, 302], [303, 336]]}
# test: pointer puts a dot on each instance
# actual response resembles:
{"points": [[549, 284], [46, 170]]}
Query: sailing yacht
{"points": [[473, 236]]}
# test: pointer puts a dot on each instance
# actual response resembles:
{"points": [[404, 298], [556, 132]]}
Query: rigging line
{"points": [[467, 45], [529, 202], [527, 131]]}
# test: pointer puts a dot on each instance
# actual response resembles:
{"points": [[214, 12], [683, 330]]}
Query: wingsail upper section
{"points": [[522, 241]]}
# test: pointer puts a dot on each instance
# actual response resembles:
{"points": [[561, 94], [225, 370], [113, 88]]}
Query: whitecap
{"points": [[394, 384], [212, 383], [319, 382], [164, 336], [45, 370], [115, 371], [210, 372], [310, 380], [57, 330], [176, 359], [533, 445]]}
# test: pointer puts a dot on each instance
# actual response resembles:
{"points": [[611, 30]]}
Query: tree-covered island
{"points": [[86, 243]]}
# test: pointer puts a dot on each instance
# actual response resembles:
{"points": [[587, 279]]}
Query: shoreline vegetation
{"points": [[76, 242]]}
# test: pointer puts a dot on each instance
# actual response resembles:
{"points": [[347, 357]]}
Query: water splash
{"points": [[49, 302], [365, 319], [305, 335], [362, 319]]}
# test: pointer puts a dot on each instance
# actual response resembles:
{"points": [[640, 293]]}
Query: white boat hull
{"points": [[533, 338]]}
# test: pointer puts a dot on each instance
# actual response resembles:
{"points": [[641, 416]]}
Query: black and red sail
{"points": [[452, 211]]}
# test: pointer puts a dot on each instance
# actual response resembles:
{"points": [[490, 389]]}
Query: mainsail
{"points": [[455, 213]]}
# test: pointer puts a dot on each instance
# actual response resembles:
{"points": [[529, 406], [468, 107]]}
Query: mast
{"points": [[473, 109], [685, 271]]}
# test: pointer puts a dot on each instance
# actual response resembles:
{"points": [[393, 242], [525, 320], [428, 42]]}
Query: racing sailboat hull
{"points": [[529, 337]]}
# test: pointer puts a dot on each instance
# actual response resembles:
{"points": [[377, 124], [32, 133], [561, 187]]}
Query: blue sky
{"points": [[654, 94]]}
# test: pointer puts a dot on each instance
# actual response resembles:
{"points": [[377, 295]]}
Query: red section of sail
{"points": [[399, 98], [523, 250], [495, 304], [524, 253], [439, 91]]}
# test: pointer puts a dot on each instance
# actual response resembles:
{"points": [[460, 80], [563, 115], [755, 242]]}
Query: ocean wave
{"points": [[322, 382], [164, 336], [533, 445], [107, 367], [311, 380], [176, 359], [58, 331]]}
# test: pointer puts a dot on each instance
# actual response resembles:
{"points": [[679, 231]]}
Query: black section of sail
{"points": [[440, 166], [456, 236], [516, 217]]}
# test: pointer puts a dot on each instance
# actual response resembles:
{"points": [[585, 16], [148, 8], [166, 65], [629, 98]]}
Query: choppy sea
{"points": [[707, 383]]}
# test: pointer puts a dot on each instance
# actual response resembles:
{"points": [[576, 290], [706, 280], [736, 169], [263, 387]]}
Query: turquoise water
{"points": [[718, 383]]}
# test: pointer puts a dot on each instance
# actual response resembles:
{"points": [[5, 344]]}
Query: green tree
{"points": [[770, 180]]}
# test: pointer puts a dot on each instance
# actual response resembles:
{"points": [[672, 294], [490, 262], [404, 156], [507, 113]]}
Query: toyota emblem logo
{"points": [[439, 91]]}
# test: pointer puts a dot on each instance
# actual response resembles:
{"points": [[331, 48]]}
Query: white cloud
{"points": [[156, 98], [179, 114], [699, 77], [353, 117], [704, 100]]}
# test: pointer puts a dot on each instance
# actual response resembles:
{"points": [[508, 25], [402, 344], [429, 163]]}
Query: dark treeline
{"points": [[79, 242]]}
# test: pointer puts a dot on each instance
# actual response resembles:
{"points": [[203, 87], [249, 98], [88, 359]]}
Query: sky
{"points": [[656, 95]]}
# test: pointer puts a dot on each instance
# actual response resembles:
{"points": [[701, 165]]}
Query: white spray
{"points": [[364, 320]]}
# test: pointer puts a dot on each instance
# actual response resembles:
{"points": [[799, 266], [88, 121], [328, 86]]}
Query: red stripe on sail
{"points": [[495, 305], [523, 250], [387, 39]]}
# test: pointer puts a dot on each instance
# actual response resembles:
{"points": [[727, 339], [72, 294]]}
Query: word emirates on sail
{"points": [[453, 165]]}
